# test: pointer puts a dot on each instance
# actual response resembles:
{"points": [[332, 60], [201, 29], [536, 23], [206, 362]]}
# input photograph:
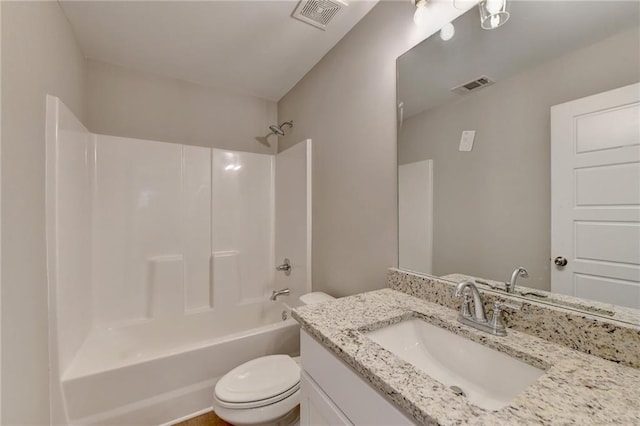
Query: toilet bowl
{"points": [[265, 390]]}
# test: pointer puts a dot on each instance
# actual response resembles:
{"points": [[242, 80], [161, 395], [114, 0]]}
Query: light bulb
{"points": [[494, 21], [420, 15], [447, 32], [494, 6], [493, 13]]}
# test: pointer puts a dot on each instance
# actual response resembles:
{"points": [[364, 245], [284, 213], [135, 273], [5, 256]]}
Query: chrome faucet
{"points": [[478, 306], [478, 319], [510, 287], [282, 292]]}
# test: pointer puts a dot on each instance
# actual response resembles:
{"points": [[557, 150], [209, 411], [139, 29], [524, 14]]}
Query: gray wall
{"points": [[128, 103], [346, 104], [39, 56], [492, 205]]}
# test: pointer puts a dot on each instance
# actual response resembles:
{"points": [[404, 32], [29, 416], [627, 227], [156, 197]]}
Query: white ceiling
{"points": [[537, 31], [251, 47]]}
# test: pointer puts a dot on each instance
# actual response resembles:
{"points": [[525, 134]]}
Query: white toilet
{"points": [[265, 390]]}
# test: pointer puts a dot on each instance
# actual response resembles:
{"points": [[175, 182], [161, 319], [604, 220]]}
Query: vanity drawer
{"points": [[316, 408]]}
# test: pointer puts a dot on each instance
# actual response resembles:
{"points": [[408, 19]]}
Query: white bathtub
{"points": [[155, 372]]}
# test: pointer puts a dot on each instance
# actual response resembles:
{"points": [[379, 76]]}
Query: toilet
{"points": [[265, 390]]}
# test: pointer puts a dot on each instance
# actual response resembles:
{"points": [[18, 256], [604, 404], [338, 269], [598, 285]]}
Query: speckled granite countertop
{"points": [[576, 389]]}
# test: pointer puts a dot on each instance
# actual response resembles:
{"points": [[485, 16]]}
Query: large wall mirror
{"points": [[520, 147]]}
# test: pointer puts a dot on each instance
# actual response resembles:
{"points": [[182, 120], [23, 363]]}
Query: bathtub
{"points": [[158, 372]]}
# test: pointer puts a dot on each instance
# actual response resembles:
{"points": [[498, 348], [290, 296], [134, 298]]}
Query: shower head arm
{"points": [[278, 129]]}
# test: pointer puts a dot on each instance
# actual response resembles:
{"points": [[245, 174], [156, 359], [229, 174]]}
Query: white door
{"points": [[595, 197]]}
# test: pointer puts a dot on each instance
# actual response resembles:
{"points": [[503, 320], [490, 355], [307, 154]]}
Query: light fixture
{"points": [[447, 32], [420, 15], [493, 13]]}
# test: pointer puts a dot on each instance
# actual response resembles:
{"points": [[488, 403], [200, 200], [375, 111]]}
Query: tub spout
{"points": [[282, 292]]}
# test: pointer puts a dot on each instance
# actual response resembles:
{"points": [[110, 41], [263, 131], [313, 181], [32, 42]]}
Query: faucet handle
{"points": [[497, 325], [465, 309]]}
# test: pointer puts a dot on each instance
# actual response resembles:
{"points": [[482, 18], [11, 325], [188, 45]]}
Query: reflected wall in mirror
{"points": [[487, 210]]}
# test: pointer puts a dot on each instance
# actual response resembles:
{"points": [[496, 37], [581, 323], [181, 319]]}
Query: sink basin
{"points": [[487, 378]]}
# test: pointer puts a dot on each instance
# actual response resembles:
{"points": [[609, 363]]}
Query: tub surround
{"points": [[576, 388], [157, 287], [605, 338]]}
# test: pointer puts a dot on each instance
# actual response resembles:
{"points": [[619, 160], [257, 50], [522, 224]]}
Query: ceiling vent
{"points": [[473, 85], [318, 12]]}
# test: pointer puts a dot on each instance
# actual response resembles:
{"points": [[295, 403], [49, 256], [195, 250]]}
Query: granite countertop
{"points": [[576, 388]]}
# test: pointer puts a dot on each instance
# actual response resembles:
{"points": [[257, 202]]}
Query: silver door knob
{"points": [[560, 261]]}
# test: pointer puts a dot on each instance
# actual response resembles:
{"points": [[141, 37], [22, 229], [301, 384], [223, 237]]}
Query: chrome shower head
{"points": [[278, 129]]}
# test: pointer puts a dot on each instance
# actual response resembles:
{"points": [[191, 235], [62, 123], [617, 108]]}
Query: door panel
{"points": [[597, 131], [606, 289], [599, 186], [608, 241], [595, 196]]}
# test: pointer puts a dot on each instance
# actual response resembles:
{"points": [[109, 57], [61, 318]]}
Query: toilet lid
{"points": [[259, 379]]}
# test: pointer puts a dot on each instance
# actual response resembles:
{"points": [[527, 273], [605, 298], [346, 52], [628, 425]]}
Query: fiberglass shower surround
{"points": [[176, 230], [158, 249]]}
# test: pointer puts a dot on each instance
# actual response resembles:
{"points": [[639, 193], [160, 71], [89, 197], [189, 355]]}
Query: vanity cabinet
{"points": [[333, 394], [316, 408]]}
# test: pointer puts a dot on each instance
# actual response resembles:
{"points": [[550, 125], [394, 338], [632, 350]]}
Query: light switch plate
{"points": [[466, 140]]}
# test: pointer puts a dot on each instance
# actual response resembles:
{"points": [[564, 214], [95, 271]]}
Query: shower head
{"points": [[278, 129]]}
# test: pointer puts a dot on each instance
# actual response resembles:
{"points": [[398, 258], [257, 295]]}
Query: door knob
{"points": [[560, 261]]}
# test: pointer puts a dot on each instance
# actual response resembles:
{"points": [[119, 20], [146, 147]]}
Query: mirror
{"points": [[481, 181]]}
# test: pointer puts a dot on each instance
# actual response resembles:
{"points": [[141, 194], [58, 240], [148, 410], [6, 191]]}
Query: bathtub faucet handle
{"points": [[285, 267], [282, 292]]}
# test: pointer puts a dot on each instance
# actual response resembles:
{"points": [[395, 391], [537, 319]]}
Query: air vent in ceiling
{"points": [[318, 12], [473, 85]]}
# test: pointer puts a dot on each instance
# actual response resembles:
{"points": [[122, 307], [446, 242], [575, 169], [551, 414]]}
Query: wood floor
{"points": [[208, 419]]}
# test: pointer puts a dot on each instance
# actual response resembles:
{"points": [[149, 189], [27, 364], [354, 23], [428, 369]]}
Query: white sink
{"points": [[488, 378]]}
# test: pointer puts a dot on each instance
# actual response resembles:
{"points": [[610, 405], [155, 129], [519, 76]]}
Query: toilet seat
{"points": [[261, 390], [268, 378], [258, 403]]}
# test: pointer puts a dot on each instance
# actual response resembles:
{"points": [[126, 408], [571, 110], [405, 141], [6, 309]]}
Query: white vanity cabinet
{"points": [[333, 394]]}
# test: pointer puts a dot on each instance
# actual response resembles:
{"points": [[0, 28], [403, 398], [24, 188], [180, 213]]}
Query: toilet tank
{"points": [[315, 297], [305, 299]]}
